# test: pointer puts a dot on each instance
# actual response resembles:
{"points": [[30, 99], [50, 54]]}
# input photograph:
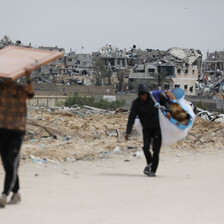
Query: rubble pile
{"points": [[209, 116], [6, 41], [181, 58], [204, 134], [70, 135], [213, 69], [75, 109]]}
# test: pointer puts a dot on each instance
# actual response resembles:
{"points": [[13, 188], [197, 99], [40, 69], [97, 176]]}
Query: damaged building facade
{"points": [[72, 68], [213, 69], [176, 67], [182, 67], [114, 58]]}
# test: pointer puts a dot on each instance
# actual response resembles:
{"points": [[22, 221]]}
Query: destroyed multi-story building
{"points": [[179, 67], [67, 69], [213, 69], [114, 58], [117, 62], [48, 72], [79, 67]]}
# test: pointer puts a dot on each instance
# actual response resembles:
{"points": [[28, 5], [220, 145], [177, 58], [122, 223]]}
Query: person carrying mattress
{"points": [[144, 107]]}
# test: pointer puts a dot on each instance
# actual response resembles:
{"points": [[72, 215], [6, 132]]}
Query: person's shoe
{"points": [[3, 199], [16, 198], [147, 169], [151, 174]]}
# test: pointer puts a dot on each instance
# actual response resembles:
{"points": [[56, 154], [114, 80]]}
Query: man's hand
{"points": [[126, 136], [168, 115], [28, 72], [29, 86]]}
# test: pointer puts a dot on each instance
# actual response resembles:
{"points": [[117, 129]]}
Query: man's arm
{"points": [[29, 86], [131, 119], [164, 101]]}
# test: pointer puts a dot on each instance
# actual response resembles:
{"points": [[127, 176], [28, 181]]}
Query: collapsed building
{"points": [[118, 63], [70, 69], [122, 61], [114, 58], [182, 67], [6, 41], [213, 69], [176, 67]]}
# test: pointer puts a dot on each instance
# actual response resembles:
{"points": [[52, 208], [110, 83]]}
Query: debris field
{"points": [[62, 134]]}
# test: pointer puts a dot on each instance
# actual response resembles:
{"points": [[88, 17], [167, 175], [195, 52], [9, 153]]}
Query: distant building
{"points": [[214, 63], [114, 58], [213, 68], [180, 66]]}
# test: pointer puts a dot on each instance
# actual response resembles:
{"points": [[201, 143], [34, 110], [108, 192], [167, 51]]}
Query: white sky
{"points": [[156, 24]]}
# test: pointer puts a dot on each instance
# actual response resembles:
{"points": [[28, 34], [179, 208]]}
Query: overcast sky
{"points": [[156, 24]]}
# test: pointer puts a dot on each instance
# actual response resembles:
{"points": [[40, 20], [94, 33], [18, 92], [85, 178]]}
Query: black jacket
{"points": [[147, 113]]}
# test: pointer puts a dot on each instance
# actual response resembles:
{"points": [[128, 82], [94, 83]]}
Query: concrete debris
{"points": [[208, 115], [168, 70], [6, 41], [189, 56], [212, 80], [94, 109], [179, 57], [75, 110], [100, 135], [204, 134], [111, 51], [138, 154]]}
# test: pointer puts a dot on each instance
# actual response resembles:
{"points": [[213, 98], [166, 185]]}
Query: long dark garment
{"points": [[152, 136], [10, 144]]}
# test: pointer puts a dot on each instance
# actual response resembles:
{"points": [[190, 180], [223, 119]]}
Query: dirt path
{"points": [[188, 189]]}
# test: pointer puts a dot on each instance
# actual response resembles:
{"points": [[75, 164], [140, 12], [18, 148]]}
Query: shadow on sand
{"points": [[124, 175]]}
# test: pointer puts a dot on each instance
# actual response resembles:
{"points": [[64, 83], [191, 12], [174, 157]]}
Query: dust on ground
{"points": [[64, 136]]}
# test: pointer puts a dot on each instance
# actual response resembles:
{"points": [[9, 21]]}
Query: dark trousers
{"points": [[10, 144], [152, 136]]}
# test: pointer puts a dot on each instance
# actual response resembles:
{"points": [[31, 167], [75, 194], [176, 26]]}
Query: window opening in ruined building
{"points": [[177, 85], [70, 59], [139, 69], [185, 86], [168, 70], [178, 70], [151, 70], [166, 86], [193, 71], [186, 71]]}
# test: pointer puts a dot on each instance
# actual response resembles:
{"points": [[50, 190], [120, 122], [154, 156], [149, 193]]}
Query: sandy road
{"points": [[189, 188]]}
